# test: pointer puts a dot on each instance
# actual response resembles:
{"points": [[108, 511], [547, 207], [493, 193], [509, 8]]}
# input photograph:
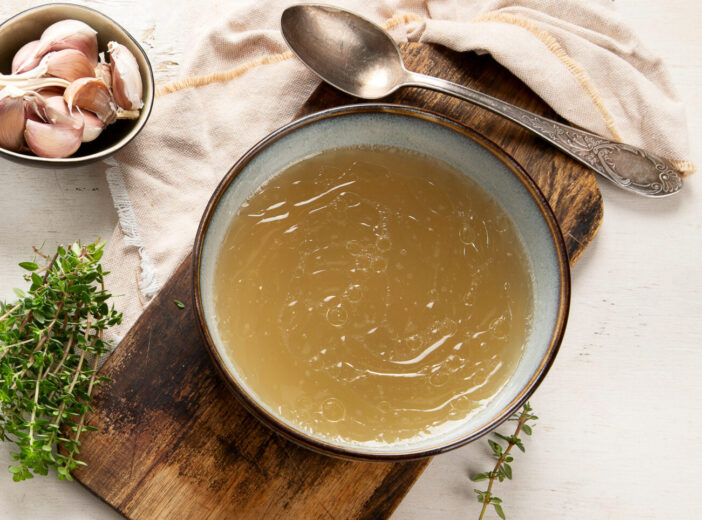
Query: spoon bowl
{"points": [[359, 58], [373, 63]]}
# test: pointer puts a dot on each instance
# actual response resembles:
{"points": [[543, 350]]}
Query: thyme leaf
{"points": [[502, 469], [51, 339]]}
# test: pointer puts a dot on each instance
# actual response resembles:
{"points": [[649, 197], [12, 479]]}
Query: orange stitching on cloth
{"points": [[401, 19], [560, 53], [684, 167], [221, 77]]}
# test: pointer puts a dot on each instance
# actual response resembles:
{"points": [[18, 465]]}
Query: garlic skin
{"points": [[34, 110], [53, 141], [93, 95], [66, 34], [68, 64], [25, 53], [127, 88], [12, 119], [103, 72], [35, 105]]}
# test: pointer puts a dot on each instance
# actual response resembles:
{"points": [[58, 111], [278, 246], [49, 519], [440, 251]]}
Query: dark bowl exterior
{"points": [[27, 26], [330, 449]]}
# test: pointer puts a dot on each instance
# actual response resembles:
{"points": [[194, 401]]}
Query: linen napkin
{"points": [[240, 82]]}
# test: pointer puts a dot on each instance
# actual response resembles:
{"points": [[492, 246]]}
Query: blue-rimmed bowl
{"points": [[468, 152]]}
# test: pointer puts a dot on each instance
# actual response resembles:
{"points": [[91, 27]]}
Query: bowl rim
{"points": [[329, 448], [146, 109]]}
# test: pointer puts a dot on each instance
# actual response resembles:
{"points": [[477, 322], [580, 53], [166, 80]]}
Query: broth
{"points": [[372, 295]]}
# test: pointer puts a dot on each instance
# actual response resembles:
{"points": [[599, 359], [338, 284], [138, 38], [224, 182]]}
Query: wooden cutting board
{"points": [[174, 443]]}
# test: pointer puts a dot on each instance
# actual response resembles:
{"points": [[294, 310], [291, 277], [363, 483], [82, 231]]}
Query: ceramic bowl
{"points": [[465, 150], [27, 26]]}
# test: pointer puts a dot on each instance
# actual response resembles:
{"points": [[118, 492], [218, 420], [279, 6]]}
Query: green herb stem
{"points": [[46, 341], [502, 469], [493, 474]]}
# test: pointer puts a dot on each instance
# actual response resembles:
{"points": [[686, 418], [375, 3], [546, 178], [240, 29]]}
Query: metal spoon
{"points": [[360, 58]]}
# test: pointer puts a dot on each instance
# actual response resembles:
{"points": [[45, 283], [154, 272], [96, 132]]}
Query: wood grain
{"points": [[173, 443]]}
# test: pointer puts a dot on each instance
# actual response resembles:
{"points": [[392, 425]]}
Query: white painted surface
{"points": [[620, 415]]}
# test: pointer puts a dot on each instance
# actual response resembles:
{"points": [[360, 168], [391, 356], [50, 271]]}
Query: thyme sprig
{"points": [[502, 469], [51, 339]]}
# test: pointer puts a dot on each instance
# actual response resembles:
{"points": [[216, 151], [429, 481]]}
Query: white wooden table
{"points": [[620, 410]]}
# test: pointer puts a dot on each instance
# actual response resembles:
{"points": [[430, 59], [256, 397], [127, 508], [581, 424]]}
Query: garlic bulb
{"points": [[126, 79], [66, 34], [53, 141], [26, 53], [12, 119]]}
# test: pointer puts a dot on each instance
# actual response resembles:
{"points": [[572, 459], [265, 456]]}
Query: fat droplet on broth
{"points": [[384, 407], [439, 378], [348, 200], [337, 315], [333, 410], [386, 260], [383, 244], [379, 264], [447, 327], [354, 293]]}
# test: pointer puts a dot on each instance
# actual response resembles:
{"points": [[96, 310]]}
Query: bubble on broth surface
{"points": [[383, 243], [354, 293], [337, 315], [333, 410]]}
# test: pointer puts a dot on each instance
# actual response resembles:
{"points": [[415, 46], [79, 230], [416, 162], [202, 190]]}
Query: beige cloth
{"points": [[578, 56]]}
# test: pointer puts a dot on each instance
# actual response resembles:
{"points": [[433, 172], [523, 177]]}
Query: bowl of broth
{"points": [[380, 282]]}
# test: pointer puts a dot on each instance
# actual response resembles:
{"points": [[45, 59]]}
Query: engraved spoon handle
{"points": [[628, 167]]}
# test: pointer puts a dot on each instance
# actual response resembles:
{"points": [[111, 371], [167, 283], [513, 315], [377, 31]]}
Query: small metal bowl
{"points": [[465, 150], [27, 26]]}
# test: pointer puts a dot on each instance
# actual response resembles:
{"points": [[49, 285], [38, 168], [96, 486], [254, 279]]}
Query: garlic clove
{"points": [[26, 53], [12, 119], [35, 107], [52, 141], [93, 95], [50, 92], [93, 126], [69, 64], [34, 111], [103, 72], [57, 112], [66, 34], [126, 78]]}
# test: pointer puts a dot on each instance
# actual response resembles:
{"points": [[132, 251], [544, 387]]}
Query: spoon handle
{"points": [[628, 167]]}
